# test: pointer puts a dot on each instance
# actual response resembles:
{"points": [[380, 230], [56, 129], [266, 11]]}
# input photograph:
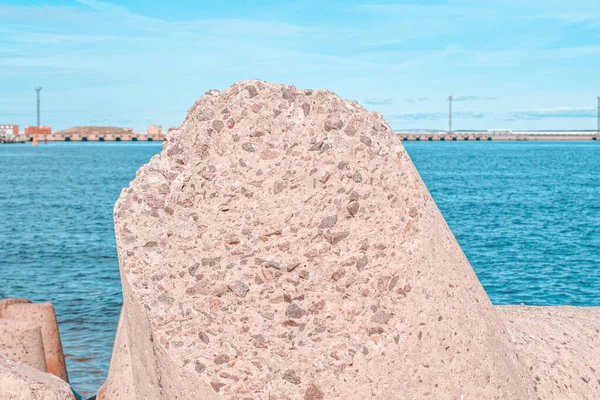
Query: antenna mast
{"points": [[37, 89]]}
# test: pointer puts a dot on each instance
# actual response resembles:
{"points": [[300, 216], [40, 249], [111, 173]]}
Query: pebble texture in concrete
{"points": [[560, 346], [21, 382], [119, 383], [7, 302], [21, 341], [43, 315], [283, 246]]}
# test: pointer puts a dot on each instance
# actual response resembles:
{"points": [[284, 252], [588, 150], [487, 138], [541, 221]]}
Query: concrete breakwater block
{"points": [[560, 346], [119, 383], [21, 341], [283, 246], [22, 382], [7, 302], [44, 316]]}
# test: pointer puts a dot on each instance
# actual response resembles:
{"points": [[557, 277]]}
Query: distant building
{"points": [[154, 130], [39, 130], [9, 129], [130, 130], [8, 132]]}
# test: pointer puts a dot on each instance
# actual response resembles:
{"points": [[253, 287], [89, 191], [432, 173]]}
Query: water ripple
{"points": [[525, 213], [58, 241]]}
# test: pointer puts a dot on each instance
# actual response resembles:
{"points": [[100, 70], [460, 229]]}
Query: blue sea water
{"points": [[527, 215], [57, 241]]}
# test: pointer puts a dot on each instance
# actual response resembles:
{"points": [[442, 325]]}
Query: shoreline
{"points": [[412, 137], [483, 136]]}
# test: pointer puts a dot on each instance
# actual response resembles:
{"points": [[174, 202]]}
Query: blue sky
{"points": [[510, 64]]}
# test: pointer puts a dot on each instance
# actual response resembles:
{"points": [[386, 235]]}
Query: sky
{"points": [[510, 64]]}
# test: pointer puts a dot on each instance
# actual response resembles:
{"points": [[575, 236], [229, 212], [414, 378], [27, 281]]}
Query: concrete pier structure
{"points": [[78, 137], [97, 134], [487, 136], [155, 133]]}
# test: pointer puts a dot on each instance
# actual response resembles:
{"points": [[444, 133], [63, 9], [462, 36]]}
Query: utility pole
{"points": [[450, 113], [37, 89]]}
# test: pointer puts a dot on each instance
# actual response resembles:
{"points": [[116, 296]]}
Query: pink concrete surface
{"points": [[283, 246], [44, 316], [7, 302], [560, 346], [557, 344], [21, 341], [22, 382], [119, 382]]}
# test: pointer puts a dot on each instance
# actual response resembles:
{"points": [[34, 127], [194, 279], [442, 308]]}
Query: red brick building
{"points": [[40, 130]]}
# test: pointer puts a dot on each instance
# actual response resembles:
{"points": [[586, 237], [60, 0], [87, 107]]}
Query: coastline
{"points": [[403, 135], [487, 136]]}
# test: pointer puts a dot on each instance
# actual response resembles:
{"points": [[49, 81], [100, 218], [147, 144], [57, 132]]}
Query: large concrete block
{"points": [[119, 383], [22, 382], [44, 315], [21, 341], [283, 246], [7, 302], [560, 346]]}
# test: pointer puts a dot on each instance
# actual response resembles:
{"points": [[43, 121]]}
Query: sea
{"points": [[527, 215]]}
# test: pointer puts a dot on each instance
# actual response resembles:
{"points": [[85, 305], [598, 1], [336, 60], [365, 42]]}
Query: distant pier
{"points": [[487, 136], [154, 133], [101, 137]]}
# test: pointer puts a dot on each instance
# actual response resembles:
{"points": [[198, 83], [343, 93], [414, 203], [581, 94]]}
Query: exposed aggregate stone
{"points": [[301, 256]]}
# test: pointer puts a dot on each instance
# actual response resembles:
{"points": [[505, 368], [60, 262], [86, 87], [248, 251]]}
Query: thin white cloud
{"points": [[586, 18], [571, 52], [417, 99], [547, 113], [474, 98], [519, 56], [420, 59], [31, 16], [54, 38], [435, 116], [112, 121], [406, 49], [5, 113], [231, 27], [426, 10], [118, 11], [378, 102]]}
